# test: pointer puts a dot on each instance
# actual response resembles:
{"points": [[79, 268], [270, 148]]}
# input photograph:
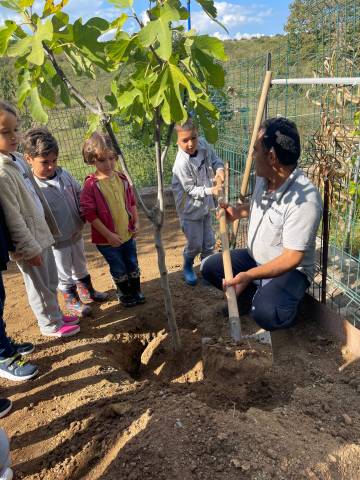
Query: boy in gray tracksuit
{"points": [[195, 169], [62, 193]]}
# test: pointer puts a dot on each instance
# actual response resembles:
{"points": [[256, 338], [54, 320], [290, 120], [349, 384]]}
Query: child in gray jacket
{"points": [[31, 226], [62, 193], [195, 169]]}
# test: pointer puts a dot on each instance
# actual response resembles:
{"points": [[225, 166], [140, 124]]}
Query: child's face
{"points": [[9, 134], [43, 166], [106, 165], [188, 140]]}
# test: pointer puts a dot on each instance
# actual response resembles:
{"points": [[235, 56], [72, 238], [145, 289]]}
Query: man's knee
{"points": [[271, 317], [210, 269]]}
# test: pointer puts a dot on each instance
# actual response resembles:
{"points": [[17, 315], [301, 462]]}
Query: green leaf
{"points": [[211, 46], [116, 49], [5, 35], [205, 104], [93, 122], [24, 87], [20, 47], [64, 94], [165, 112], [213, 72], [47, 95], [127, 98], [157, 90], [119, 22], [86, 40], [11, 5], [36, 109], [160, 30], [209, 8], [60, 20], [121, 3], [43, 32]]}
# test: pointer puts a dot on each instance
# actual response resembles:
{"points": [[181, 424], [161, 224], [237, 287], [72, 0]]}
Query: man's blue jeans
{"points": [[122, 260], [6, 349], [275, 302]]}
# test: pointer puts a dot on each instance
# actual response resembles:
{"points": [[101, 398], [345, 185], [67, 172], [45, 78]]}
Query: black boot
{"points": [[124, 293], [136, 290]]}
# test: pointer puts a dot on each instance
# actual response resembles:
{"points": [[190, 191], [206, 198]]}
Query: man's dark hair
{"points": [[282, 135], [39, 142]]}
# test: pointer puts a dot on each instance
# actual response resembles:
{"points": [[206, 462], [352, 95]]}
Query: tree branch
{"points": [[159, 172], [73, 90], [167, 146], [141, 25], [105, 120]]}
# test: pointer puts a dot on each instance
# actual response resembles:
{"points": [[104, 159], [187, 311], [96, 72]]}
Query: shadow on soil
{"points": [[143, 388]]}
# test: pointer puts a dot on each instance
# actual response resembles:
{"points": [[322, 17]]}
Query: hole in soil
{"points": [[220, 375]]}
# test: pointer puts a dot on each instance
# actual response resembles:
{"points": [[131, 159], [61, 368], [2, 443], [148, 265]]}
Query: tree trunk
{"points": [[164, 281], [158, 225]]}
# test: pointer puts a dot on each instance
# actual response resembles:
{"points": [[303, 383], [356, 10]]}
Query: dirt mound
{"points": [[115, 402]]}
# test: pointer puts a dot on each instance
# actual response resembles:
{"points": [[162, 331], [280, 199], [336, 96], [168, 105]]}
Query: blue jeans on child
{"points": [[122, 260], [276, 300], [6, 349]]}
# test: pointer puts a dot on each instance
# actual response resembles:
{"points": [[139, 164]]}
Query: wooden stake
{"points": [[258, 120]]}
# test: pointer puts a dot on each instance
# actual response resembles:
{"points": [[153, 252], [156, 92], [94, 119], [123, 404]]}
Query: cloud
{"points": [[238, 35], [233, 16]]}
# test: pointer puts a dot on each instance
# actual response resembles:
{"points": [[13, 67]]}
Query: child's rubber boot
{"points": [[188, 271], [87, 292], [73, 304], [136, 290], [124, 294]]}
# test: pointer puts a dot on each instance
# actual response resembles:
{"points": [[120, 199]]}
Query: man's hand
{"points": [[239, 282], [36, 261], [114, 239], [234, 212]]}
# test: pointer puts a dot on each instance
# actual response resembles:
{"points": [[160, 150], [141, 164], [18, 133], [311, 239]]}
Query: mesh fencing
{"points": [[326, 45], [325, 116]]}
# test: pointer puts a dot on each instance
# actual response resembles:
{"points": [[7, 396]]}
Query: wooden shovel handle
{"points": [[234, 320]]}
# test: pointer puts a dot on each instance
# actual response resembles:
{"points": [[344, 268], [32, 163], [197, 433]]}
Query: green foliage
{"points": [[158, 74]]}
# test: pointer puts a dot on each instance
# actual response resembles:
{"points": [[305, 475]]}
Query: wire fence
{"points": [[326, 45], [325, 116]]}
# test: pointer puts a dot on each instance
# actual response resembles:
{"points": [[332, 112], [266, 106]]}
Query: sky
{"points": [[242, 18]]}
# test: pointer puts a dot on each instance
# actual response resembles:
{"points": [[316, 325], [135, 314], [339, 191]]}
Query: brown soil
{"points": [[116, 403]]}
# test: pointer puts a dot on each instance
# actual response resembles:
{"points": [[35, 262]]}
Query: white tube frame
{"points": [[317, 81]]}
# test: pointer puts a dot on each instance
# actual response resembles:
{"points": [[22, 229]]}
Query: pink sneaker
{"points": [[70, 320], [64, 331]]}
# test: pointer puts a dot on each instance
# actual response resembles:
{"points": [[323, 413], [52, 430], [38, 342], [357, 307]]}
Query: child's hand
{"points": [[114, 239], [36, 261], [217, 190], [219, 177]]}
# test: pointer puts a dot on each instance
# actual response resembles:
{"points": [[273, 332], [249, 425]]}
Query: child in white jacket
{"points": [[31, 226], [195, 169]]}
